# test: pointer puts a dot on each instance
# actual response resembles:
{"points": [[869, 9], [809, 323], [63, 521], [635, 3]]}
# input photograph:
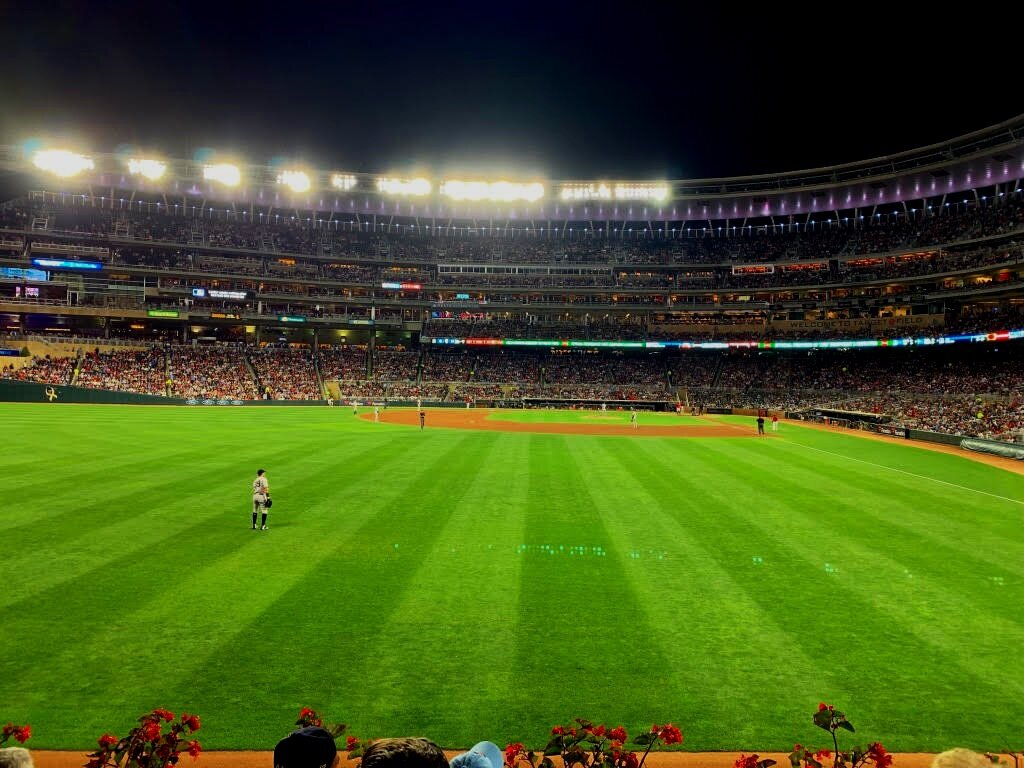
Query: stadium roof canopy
{"points": [[990, 157]]}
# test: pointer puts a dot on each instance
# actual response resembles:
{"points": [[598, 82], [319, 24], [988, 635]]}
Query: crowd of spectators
{"points": [[210, 372], [47, 370], [139, 371], [283, 373], [304, 251]]}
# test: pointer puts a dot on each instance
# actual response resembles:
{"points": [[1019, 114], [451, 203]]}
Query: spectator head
{"points": [[407, 752], [960, 758], [310, 747], [15, 757], [486, 754]]}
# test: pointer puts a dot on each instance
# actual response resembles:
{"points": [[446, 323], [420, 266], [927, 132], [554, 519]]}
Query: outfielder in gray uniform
{"points": [[260, 496]]}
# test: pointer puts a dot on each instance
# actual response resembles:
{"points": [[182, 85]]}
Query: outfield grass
{"points": [[469, 585], [595, 417]]}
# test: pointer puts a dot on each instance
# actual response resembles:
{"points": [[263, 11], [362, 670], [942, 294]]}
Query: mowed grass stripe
{"points": [[868, 639], [455, 612], [168, 603], [583, 632], [717, 636], [324, 630]]}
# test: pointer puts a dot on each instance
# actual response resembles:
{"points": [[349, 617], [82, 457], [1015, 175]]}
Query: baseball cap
{"points": [[310, 747], [485, 754]]}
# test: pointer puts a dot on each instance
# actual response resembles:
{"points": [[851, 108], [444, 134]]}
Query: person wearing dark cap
{"points": [[486, 754], [310, 747], [404, 753], [260, 496]]}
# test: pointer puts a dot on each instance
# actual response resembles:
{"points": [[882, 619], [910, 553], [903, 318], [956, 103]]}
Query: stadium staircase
{"points": [[718, 372], [252, 375], [321, 384], [197, 236], [76, 370]]}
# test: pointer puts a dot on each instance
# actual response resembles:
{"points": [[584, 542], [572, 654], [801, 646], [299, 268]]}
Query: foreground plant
{"points": [[353, 746], [20, 733], [148, 745], [828, 718], [588, 745]]}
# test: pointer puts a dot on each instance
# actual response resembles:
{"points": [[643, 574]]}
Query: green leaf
{"points": [[765, 763], [846, 725], [645, 738]]}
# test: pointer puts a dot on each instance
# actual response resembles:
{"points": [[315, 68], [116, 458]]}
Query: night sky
{"points": [[581, 90]]}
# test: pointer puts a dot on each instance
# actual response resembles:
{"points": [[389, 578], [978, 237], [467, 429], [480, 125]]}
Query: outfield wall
{"points": [[35, 392]]}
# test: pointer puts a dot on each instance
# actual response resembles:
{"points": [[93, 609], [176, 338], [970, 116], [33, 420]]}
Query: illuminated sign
{"points": [[224, 316], [402, 286], [162, 312], [291, 319], [607, 191], [823, 344], [214, 293], [5, 352], [23, 273], [461, 296], [411, 187], [498, 191], [67, 264], [343, 181]]}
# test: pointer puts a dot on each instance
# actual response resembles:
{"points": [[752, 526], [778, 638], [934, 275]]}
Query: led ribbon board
{"points": [[907, 341], [67, 264]]}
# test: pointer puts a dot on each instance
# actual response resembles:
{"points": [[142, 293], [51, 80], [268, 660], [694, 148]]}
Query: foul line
{"points": [[904, 472]]}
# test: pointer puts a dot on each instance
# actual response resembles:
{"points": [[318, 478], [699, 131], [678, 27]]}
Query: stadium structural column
{"points": [[184, 331], [316, 339]]}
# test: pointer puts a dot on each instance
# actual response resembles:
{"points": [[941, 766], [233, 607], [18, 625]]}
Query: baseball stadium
{"points": [[715, 452]]}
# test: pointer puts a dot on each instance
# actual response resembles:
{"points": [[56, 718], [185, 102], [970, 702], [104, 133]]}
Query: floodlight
{"points": [[62, 162], [297, 181], [151, 169], [343, 181], [498, 191], [412, 187], [225, 173]]}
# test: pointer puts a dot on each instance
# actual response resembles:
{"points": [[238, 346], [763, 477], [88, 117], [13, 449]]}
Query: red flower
{"points": [[23, 734], [822, 706], [671, 735], [107, 740], [164, 713], [631, 761], [151, 730], [615, 746], [512, 751], [306, 712], [746, 761], [351, 742], [798, 747], [557, 731], [194, 749], [878, 755], [95, 762], [823, 754], [598, 730], [619, 734], [191, 721]]}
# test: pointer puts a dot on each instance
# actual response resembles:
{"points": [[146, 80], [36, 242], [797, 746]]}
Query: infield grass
{"points": [[486, 585]]}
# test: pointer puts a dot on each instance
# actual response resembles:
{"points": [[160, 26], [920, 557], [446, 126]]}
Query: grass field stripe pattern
{"points": [[912, 474], [485, 584]]}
